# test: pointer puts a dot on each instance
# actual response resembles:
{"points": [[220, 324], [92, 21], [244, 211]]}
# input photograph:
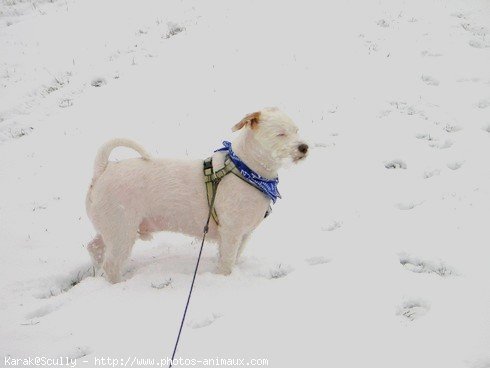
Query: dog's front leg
{"points": [[242, 246], [228, 249]]}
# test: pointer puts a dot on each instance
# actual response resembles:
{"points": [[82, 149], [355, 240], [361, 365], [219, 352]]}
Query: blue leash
{"points": [[205, 231]]}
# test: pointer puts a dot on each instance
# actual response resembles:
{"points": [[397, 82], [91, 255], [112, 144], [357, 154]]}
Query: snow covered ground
{"points": [[378, 253]]}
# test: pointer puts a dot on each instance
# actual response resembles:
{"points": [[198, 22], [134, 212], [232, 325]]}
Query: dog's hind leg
{"points": [[119, 243], [96, 250]]}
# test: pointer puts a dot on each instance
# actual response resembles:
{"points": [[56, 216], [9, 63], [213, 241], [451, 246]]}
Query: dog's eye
{"points": [[281, 135]]}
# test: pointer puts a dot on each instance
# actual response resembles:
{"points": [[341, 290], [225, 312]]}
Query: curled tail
{"points": [[104, 152]]}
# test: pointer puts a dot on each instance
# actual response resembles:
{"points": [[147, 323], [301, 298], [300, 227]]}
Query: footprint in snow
{"points": [[458, 15], [162, 285], [173, 29], [66, 102], [77, 352], [455, 165], [469, 80], [279, 271], [384, 113], [396, 164], [418, 265], [444, 145], [204, 321], [477, 44], [413, 309], [431, 81], [98, 82], [475, 30], [425, 136], [486, 128], [430, 54], [430, 173], [483, 104], [452, 128], [406, 206], [334, 225], [406, 109], [314, 261]]}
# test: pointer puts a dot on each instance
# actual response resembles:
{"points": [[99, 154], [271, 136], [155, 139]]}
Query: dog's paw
{"points": [[224, 270]]}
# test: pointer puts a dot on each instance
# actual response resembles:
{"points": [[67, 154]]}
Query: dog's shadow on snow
{"points": [[165, 261], [156, 262], [162, 262]]}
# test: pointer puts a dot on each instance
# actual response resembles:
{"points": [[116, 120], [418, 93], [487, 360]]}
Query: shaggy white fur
{"points": [[135, 197]]}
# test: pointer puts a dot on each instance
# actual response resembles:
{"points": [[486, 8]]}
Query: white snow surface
{"points": [[378, 254]]}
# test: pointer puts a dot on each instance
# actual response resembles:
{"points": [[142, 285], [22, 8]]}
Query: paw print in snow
{"points": [[314, 261], [430, 173], [431, 81], [396, 164], [418, 265], [455, 165], [280, 271], [413, 309]]}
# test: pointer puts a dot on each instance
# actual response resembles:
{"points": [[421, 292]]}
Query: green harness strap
{"points": [[212, 179]]}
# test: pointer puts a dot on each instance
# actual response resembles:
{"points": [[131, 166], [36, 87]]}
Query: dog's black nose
{"points": [[303, 148]]}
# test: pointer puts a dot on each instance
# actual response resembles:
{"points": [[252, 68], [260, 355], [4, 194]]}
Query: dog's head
{"points": [[275, 134]]}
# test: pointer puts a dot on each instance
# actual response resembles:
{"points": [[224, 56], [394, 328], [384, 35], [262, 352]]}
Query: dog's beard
{"points": [[287, 162], [298, 159]]}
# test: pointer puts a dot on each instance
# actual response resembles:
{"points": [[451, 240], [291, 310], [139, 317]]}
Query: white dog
{"points": [[135, 197]]}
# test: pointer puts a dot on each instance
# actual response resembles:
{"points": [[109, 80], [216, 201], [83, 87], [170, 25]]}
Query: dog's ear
{"points": [[251, 119]]}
